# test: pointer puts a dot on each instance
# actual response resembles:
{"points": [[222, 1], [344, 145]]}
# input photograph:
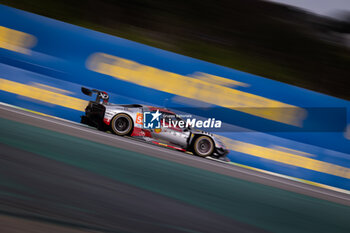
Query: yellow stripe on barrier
{"points": [[285, 157], [16, 41], [43, 95], [293, 178], [209, 88], [218, 80]]}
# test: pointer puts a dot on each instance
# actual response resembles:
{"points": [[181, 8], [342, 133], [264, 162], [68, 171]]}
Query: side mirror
{"points": [[86, 91]]}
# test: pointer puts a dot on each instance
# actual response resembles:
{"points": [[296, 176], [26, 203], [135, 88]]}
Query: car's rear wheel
{"points": [[122, 124], [203, 146]]}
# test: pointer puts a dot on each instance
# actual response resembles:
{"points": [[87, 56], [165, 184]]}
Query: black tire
{"points": [[203, 146], [122, 124]]}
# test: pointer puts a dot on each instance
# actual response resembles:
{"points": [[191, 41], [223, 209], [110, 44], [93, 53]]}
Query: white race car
{"points": [[128, 120]]}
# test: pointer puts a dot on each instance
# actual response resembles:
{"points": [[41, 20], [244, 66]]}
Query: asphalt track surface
{"points": [[58, 176]]}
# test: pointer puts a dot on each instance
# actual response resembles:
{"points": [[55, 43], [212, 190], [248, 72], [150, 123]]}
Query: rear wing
{"points": [[100, 95]]}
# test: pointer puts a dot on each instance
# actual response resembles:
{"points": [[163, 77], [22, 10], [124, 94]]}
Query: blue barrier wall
{"points": [[282, 128]]}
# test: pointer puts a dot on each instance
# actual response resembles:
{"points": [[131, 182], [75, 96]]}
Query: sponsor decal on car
{"points": [[139, 118], [106, 121], [157, 130], [151, 120]]}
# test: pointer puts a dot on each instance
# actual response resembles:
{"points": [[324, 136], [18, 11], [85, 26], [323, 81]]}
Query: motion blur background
{"points": [[269, 39], [44, 63], [293, 177]]}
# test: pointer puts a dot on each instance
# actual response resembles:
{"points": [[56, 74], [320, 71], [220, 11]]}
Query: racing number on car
{"points": [[139, 118]]}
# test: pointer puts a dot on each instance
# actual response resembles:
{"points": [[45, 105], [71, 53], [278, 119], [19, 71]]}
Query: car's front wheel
{"points": [[122, 124], [203, 146]]}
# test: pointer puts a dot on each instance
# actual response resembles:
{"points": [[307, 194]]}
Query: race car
{"points": [[128, 120]]}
